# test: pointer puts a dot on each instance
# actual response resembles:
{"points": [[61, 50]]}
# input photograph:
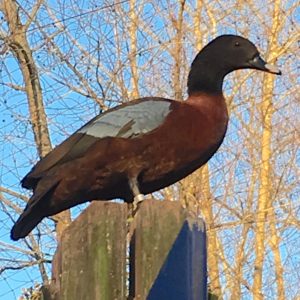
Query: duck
{"points": [[142, 146]]}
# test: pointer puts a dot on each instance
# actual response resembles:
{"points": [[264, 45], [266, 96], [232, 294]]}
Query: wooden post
{"points": [[167, 255], [90, 262]]}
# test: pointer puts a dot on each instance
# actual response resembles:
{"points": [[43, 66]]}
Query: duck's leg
{"points": [[137, 195]]}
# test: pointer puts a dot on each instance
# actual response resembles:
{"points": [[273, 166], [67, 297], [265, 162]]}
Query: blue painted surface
{"points": [[184, 273]]}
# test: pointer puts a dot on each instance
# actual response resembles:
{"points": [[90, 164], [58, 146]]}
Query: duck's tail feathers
{"points": [[24, 225], [37, 208]]}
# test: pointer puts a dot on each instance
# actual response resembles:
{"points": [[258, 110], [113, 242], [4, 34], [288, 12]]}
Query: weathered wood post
{"points": [[90, 262], [167, 255]]}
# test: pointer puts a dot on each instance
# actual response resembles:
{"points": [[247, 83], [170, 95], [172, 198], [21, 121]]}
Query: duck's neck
{"points": [[205, 78]]}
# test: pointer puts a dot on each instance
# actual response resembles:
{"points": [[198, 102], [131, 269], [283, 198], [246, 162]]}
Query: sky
{"points": [[67, 110]]}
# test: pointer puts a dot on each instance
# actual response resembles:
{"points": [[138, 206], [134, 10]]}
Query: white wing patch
{"points": [[129, 121]]}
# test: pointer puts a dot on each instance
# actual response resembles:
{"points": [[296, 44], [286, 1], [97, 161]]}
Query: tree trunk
{"points": [[265, 209], [17, 41]]}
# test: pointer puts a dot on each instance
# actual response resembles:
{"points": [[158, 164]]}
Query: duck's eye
{"points": [[236, 44]]}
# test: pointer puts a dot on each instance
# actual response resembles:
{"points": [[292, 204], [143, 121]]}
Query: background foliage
{"points": [[92, 55]]}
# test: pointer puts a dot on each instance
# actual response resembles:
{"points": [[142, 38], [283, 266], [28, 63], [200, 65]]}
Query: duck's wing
{"points": [[130, 120]]}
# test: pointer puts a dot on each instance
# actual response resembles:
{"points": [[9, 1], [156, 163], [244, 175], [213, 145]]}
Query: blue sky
{"points": [[67, 110]]}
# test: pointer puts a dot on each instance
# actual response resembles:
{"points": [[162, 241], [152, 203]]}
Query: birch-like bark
{"points": [[177, 50], [133, 49], [265, 208]]}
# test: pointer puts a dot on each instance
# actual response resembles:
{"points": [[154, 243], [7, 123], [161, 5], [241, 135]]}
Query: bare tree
{"points": [[63, 63]]}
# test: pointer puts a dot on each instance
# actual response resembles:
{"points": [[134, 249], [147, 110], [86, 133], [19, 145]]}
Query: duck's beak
{"points": [[258, 63]]}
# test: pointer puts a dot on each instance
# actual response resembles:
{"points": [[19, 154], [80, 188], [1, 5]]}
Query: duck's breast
{"points": [[189, 136]]}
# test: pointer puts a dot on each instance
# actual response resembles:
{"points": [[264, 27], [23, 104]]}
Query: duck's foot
{"points": [[137, 201], [133, 206], [138, 197]]}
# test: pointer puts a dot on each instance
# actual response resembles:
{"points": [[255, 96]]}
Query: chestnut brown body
{"points": [[157, 159], [142, 146]]}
